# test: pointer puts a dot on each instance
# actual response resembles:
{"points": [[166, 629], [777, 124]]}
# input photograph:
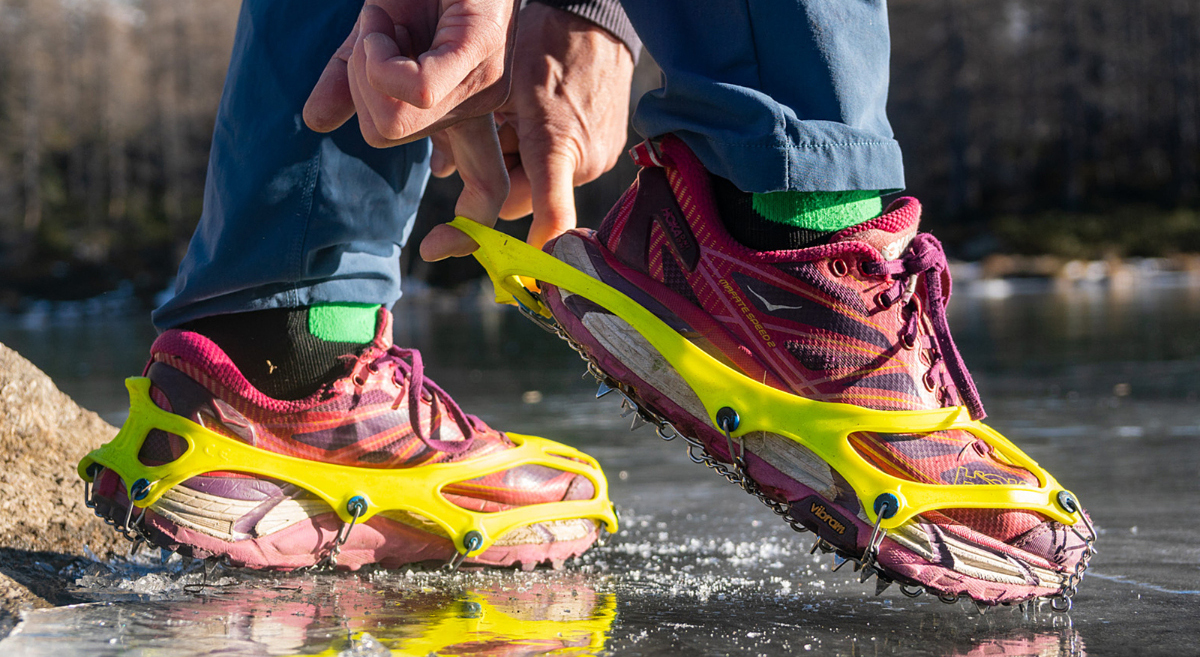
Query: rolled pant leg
{"points": [[774, 94], [292, 217]]}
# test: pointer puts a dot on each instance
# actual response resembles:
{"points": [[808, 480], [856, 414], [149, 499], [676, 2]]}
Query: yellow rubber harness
{"points": [[822, 427], [355, 493]]}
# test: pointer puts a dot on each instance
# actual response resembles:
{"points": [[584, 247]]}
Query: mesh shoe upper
{"points": [[382, 414]]}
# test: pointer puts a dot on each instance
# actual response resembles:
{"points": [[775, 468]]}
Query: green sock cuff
{"points": [[343, 322], [819, 211]]}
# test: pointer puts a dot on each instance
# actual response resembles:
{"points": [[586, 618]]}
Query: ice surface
{"points": [[700, 568]]}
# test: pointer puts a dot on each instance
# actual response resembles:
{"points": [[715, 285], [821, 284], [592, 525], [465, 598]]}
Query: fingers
{"points": [[517, 204], [468, 37], [552, 193], [477, 155], [409, 80], [330, 103], [441, 161]]}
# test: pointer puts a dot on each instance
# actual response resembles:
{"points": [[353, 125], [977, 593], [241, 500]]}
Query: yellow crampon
{"points": [[822, 427], [355, 493]]}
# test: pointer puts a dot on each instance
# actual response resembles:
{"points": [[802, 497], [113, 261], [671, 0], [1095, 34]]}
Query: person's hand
{"points": [[565, 122], [413, 67]]}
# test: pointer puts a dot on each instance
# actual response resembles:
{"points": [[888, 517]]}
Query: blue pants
{"points": [[771, 94]]}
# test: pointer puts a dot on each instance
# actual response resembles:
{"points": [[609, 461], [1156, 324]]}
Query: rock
{"points": [[44, 523]]}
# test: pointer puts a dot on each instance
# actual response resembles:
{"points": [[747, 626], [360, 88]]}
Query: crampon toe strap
{"points": [[355, 493], [822, 427]]}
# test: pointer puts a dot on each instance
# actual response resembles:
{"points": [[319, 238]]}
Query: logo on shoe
{"points": [[819, 516], [746, 311], [656, 204], [979, 477], [679, 235], [819, 511]]}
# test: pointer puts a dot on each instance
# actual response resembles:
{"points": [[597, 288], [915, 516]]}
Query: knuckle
{"points": [[423, 96]]}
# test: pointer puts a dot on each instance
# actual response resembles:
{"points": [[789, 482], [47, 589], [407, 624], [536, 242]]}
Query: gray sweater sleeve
{"points": [[608, 14]]}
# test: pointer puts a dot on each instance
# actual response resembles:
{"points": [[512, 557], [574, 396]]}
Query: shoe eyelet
{"points": [[359, 381], [882, 301], [838, 267], [925, 358], [908, 341], [930, 384]]}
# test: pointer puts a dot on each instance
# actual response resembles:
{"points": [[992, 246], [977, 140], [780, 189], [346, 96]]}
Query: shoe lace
{"points": [[408, 367], [926, 260]]}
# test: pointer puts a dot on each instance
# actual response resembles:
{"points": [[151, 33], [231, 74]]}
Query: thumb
{"points": [[552, 191]]}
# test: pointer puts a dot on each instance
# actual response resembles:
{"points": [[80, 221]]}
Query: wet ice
{"points": [[701, 568]]}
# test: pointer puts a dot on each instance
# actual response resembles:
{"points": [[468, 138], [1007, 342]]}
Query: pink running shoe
{"points": [[382, 414], [859, 320]]}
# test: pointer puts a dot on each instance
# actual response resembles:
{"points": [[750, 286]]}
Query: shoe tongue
{"points": [[383, 330], [890, 232]]}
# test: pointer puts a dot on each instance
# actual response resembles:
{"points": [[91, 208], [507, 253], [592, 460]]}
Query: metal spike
{"points": [[838, 562], [632, 409], [983, 608], [866, 574], [602, 390], [638, 423], [816, 544], [881, 585]]}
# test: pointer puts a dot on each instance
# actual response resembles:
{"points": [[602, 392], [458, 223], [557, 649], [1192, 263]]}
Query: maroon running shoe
{"points": [[858, 320], [382, 414]]}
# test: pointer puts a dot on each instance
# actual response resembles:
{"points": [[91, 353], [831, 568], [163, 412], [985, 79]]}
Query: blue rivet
{"points": [[357, 506], [886, 505], [1067, 502], [473, 540], [727, 419], [140, 489]]}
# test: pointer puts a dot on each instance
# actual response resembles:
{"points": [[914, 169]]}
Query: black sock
{"points": [[275, 350], [753, 231], [791, 220]]}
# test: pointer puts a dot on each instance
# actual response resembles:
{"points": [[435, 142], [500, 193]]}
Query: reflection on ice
{"points": [[659, 590], [378, 613]]}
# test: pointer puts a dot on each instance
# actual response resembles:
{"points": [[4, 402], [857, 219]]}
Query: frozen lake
{"points": [[1101, 387]]}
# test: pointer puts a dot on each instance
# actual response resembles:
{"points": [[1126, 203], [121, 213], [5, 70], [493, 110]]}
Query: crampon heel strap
{"points": [[355, 493], [822, 427]]}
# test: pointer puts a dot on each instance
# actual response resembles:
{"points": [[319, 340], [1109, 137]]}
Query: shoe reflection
{"points": [[500, 616], [1065, 642]]}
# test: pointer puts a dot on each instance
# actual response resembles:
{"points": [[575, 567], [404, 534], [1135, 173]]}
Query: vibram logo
{"points": [[819, 511]]}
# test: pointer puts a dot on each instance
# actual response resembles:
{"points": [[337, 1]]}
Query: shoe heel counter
{"points": [[173, 391]]}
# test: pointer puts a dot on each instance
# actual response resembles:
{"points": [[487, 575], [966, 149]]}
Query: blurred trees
{"points": [[1026, 106], [106, 112], [1005, 110]]}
